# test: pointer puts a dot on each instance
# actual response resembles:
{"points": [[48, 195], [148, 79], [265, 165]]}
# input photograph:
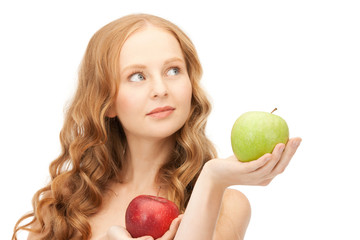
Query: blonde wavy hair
{"points": [[93, 144]]}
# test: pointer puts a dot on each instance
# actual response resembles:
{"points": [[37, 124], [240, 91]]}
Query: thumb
{"points": [[143, 238]]}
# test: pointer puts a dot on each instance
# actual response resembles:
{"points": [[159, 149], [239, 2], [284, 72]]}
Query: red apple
{"points": [[149, 215]]}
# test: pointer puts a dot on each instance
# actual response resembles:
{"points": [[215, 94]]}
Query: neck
{"points": [[144, 158]]}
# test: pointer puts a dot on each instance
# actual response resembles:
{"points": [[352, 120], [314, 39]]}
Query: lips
{"points": [[161, 112]]}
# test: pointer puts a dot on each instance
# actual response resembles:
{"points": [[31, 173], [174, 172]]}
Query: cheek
{"points": [[123, 104], [126, 104], [187, 94], [183, 93]]}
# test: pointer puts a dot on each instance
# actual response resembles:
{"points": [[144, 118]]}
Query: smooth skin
{"points": [[219, 212], [153, 74], [214, 211]]}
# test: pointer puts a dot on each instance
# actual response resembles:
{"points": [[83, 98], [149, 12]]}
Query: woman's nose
{"points": [[159, 88]]}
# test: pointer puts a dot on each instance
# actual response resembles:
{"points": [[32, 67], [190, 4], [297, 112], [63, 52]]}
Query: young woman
{"points": [[136, 125]]}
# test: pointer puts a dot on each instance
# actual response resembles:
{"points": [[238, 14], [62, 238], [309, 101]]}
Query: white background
{"points": [[302, 57]]}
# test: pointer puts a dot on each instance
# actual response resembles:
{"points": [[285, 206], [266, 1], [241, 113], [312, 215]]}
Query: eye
{"points": [[173, 71], [137, 77]]}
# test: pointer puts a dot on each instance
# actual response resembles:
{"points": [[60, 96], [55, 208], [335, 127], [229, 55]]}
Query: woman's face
{"points": [[154, 96]]}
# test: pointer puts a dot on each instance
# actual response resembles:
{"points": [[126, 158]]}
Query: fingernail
{"points": [[281, 149], [296, 143]]}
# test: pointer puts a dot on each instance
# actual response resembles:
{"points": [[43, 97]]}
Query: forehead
{"points": [[149, 45]]}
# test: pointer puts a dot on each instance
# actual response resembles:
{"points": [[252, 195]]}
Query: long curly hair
{"points": [[93, 144]]}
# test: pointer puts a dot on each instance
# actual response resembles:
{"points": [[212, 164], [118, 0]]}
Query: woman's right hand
{"points": [[120, 233]]}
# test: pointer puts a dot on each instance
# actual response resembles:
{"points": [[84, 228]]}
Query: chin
{"points": [[163, 131], [162, 134]]}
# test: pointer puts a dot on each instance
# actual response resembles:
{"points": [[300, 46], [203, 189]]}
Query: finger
{"points": [[287, 155], [170, 234], [266, 171], [143, 238], [275, 157], [265, 182], [256, 164], [120, 233]]}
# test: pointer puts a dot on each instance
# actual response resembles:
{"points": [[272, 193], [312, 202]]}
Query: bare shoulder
{"points": [[234, 216]]}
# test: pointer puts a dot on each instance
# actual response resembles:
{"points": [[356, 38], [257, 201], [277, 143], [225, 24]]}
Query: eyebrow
{"points": [[140, 66]]}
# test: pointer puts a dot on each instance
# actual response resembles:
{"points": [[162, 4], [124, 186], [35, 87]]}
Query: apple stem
{"points": [[274, 110]]}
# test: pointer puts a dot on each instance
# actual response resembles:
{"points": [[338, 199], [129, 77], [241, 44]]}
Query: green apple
{"points": [[257, 133]]}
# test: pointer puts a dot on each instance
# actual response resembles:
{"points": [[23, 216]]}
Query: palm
{"points": [[230, 171]]}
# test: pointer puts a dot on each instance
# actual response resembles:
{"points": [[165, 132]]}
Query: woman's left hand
{"points": [[230, 171]]}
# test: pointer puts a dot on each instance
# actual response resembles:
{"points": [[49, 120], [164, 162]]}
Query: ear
{"points": [[111, 113]]}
